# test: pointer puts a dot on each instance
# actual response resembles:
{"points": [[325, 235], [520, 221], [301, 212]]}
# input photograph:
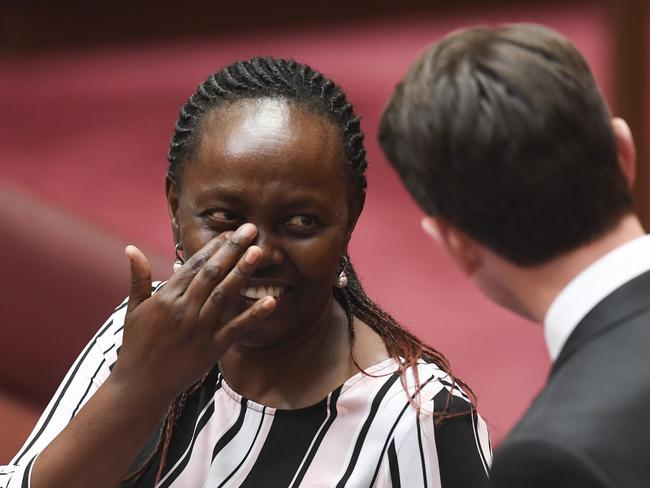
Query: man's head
{"points": [[503, 134]]}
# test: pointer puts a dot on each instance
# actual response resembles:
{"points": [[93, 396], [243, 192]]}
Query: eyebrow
{"points": [[226, 196]]}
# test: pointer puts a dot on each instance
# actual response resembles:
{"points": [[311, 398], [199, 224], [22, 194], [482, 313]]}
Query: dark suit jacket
{"points": [[590, 425]]}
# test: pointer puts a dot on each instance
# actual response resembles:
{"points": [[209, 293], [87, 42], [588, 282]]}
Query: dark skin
{"points": [[279, 167], [262, 202]]}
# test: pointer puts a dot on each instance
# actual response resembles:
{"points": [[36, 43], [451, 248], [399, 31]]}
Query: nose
{"points": [[270, 244]]}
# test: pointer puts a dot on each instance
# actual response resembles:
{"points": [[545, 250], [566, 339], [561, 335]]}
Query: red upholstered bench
{"points": [[61, 278]]}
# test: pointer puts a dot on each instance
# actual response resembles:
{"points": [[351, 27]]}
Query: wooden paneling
{"points": [[629, 27]]}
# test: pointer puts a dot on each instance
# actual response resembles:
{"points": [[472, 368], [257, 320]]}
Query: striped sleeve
{"points": [[87, 374], [453, 453]]}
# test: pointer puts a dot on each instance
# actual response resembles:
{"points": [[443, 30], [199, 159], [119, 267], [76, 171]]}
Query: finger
{"points": [[180, 280], [230, 286], [140, 288], [220, 264], [244, 322]]}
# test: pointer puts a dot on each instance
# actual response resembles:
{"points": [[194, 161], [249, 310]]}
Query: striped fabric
{"points": [[365, 433]]}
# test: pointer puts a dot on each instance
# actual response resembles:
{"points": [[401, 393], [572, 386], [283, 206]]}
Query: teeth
{"points": [[255, 292]]}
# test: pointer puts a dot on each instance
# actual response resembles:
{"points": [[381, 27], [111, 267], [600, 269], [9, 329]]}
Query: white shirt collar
{"points": [[590, 286]]}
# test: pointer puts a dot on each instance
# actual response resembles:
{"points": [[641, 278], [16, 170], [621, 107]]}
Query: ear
{"points": [[355, 212], [625, 149], [462, 250], [172, 207]]}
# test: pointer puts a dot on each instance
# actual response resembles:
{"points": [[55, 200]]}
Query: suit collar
{"points": [[620, 306], [590, 287]]}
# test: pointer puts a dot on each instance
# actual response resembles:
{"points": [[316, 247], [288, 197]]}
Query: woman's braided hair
{"points": [[298, 84]]}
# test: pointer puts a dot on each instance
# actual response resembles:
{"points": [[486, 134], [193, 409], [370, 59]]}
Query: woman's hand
{"points": [[173, 337], [170, 340]]}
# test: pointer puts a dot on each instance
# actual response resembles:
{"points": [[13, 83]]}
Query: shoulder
{"points": [[540, 461], [446, 429], [584, 425], [437, 391]]}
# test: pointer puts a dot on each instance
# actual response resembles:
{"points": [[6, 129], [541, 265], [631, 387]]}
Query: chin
{"points": [[503, 297], [270, 334], [285, 325]]}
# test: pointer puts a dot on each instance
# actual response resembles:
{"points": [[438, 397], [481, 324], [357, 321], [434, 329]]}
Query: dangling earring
{"points": [[342, 279], [179, 259]]}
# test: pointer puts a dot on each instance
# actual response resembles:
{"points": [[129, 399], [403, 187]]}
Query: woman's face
{"points": [[279, 167]]}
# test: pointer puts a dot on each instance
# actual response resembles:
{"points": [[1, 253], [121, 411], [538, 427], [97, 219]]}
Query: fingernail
{"points": [[246, 230], [252, 255], [268, 303]]}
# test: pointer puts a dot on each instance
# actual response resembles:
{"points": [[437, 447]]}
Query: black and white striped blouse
{"points": [[364, 434]]}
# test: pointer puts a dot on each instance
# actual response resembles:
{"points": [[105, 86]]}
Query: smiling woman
{"points": [[278, 166], [261, 362]]}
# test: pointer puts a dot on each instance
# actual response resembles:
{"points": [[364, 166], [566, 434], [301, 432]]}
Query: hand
{"points": [[171, 339]]}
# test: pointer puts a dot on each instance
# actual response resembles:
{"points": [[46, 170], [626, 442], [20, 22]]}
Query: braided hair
{"points": [[298, 84]]}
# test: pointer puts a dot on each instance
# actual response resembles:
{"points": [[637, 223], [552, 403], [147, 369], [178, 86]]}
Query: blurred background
{"points": [[89, 92]]}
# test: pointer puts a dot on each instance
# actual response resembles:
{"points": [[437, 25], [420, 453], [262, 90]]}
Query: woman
{"points": [[261, 362]]}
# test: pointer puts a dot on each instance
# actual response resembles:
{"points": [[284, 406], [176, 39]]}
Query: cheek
{"points": [[319, 260], [194, 235]]}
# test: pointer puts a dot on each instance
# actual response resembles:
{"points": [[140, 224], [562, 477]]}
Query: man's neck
{"points": [[535, 288]]}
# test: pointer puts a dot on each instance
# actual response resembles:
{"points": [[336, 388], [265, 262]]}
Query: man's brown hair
{"points": [[503, 133]]}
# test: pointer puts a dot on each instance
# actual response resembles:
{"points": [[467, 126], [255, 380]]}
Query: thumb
{"points": [[140, 277]]}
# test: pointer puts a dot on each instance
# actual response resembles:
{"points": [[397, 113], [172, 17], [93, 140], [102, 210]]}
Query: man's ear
{"points": [[463, 250], [172, 207], [625, 149]]}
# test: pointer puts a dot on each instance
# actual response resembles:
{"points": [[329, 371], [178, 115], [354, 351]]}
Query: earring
{"points": [[342, 279], [179, 259]]}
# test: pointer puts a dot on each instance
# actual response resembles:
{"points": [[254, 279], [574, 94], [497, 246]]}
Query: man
{"points": [[504, 140]]}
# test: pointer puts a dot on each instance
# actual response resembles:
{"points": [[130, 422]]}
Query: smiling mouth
{"points": [[256, 292]]}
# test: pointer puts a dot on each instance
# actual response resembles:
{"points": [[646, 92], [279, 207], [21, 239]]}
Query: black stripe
{"points": [[366, 427], [28, 472], [392, 429], [259, 427], [457, 460], [455, 388], [289, 438], [55, 406], [202, 421], [422, 461], [319, 439], [393, 465], [232, 432], [90, 383]]}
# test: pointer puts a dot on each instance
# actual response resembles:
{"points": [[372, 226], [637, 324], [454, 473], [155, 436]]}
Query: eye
{"points": [[302, 221], [225, 216]]}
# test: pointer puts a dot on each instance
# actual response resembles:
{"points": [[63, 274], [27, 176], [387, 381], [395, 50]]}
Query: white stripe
{"points": [[187, 449], [333, 455], [197, 469], [68, 400], [483, 442], [249, 463], [228, 460]]}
